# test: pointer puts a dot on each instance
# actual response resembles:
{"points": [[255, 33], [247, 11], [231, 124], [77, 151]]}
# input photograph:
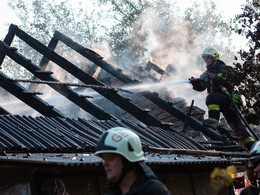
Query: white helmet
{"points": [[254, 161], [255, 152], [210, 51], [121, 141]]}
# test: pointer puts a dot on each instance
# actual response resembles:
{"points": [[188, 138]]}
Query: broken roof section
{"points": [[141, 114], [71, 142], [43, 134]]}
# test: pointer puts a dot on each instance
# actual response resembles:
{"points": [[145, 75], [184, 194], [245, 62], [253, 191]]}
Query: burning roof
{"points": [[161, 122]]}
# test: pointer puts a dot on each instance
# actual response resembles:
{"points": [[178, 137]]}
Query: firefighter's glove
{"points": [[236, 98], [193, 80]]}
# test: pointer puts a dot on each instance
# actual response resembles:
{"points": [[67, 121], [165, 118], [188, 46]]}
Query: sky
{"points": [[228, 7], [7, 17]]}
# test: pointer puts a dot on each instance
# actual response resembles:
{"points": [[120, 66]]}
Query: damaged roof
{"points": [[173, 113], [90, 160], [53, 137], [44, 134], [71, 142]]}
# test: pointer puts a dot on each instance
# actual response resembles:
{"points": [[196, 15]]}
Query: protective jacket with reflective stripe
{"points": [[146, 184], [213, 78]]}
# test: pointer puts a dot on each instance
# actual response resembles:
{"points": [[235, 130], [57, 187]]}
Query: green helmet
{"points": [[121, 141], [210, 51]]}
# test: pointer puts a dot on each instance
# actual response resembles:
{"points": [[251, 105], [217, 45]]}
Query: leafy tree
{"points": [[126, 38], [41, 18], [135, 30], [247, 75], [208, 27], [158, 30], [127, 26], [139, 30]]}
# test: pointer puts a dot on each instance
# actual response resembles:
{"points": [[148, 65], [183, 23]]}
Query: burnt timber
{"points": [[64, 90], [34, 151], [124, 103], [32, 100], [154, 97]]}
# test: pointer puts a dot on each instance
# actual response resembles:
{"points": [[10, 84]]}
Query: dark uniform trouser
{"points": [[220, 102]]}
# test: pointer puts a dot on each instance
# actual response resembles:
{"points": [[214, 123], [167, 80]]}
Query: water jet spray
{"points": [[154, 85]]}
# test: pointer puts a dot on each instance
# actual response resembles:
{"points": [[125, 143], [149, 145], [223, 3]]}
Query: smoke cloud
{"points": [[173, 41]]}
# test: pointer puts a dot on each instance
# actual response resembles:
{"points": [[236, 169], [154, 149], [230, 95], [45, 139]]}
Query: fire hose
{"points": [[72, 84], [239, 113], [224, 90]]}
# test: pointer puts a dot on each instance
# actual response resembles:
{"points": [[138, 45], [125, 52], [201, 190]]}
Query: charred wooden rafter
{"points": [[147, 73], [8, 40], [124, 103], [64, 90], [71, 84], [33, 92], [3, 111], [44, 62], [185, 126], [44, 72], [30, 99], [151, 66], [154, 97]]}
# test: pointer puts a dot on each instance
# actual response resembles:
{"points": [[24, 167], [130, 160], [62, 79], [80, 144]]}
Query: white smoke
{"points": [[167, 42]]}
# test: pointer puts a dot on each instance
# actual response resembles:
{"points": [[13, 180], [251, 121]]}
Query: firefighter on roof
{"points": [[215, 79]]}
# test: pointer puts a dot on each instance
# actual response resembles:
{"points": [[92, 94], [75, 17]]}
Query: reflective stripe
{"points": [[213, 107], [249, 139], [219, 74]]}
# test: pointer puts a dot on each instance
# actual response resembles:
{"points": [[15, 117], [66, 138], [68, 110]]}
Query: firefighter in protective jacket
{"points": [[123, 161], [214, 79]]}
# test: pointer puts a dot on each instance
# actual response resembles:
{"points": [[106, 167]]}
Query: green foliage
{"points": [[41, 18], [209, 28], [157, 29], [125, 14], [247, 75], [136, 31], [133, 29], [204, 18]]}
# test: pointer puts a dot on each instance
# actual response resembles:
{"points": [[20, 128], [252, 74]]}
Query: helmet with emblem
{"points": [[210, 51], [123, 141]]}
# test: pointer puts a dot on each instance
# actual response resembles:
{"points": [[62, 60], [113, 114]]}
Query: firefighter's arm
{"points": [[198, 84], [225, 78], [227, 72]]}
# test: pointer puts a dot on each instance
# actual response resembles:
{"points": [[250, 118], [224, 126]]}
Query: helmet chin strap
{"points": [[127, 166], [121, 177], [211, 64]]}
